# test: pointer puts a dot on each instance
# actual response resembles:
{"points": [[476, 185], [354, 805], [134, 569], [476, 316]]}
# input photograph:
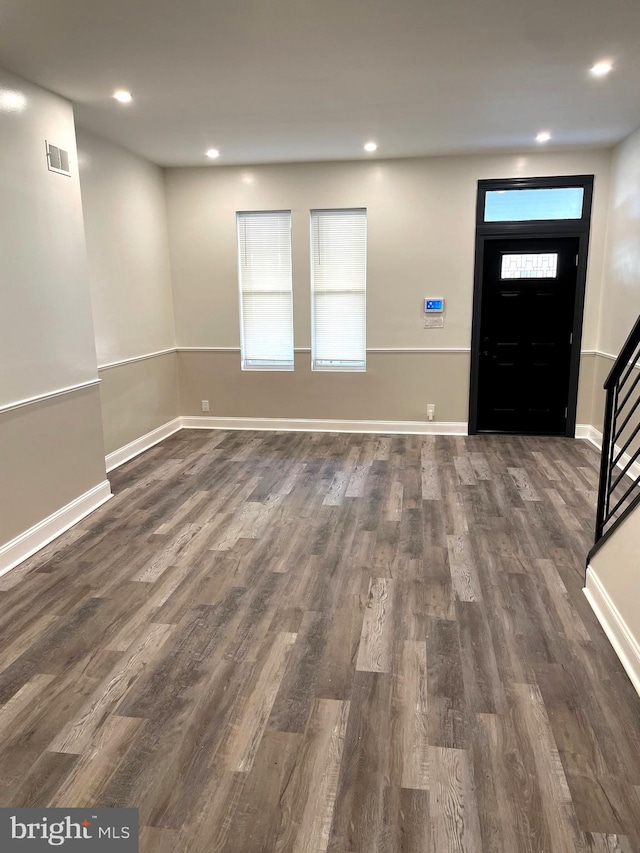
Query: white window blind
{"points": [[339, 289], [266, 292]]}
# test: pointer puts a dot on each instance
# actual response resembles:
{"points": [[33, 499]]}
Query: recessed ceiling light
{"points": [[213, 153], [123, 96], [370, 146], [543, 136], [601, 69]]}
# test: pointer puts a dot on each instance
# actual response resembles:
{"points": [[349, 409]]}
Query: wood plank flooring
{"points": [[323, 643]]}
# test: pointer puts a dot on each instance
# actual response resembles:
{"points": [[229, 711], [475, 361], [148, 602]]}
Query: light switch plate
{"points": [[434, 322]]}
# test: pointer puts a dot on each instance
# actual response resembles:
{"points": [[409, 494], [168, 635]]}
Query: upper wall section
{"points": [[421, 230], [46, 330], [127, 246], [621, 290]]}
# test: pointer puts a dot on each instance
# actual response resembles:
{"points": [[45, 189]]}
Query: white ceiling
{"points": [[294, 80]]}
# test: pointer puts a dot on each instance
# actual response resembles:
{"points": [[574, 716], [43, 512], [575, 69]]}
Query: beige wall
{"points": [[52, 452], [138, 397], [128, 251], [620, 304], [584, 414], [52, 449], [617, 567], [127, 248], [421, 224], [602, 368], [46, 333], [617, 564], [620, 293], [396, 386]]}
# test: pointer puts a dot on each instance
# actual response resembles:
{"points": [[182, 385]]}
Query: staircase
{"points": [[619, 490]]}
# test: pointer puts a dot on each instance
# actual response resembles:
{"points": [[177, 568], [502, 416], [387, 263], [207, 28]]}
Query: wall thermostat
{"points": [[433, 306]]}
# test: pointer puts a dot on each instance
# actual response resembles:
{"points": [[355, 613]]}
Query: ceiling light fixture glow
{"points": [[601, 69], [213, 153], [122, 96], [371, 146], [11, 101], [543, 136]]}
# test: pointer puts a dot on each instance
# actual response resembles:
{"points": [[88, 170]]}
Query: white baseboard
{"points": [[624, 643], [134, 448], [124, 454], [595, 437], [32, 540], [589, 433], [310, 425]]}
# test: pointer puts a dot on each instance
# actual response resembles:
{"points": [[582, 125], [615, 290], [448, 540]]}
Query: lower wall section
{"points": [[137, 398], [607, 597], [52, 452], [585, 388], [395, 387], [602, 365], [32, 540], [617, 564], [602, 368], [139, 445]]}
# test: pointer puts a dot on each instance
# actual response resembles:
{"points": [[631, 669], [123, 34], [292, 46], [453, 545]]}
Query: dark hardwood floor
{"points": [[317, 642]]}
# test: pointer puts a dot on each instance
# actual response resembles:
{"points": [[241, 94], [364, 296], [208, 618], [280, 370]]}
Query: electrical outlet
{"points": [[431, 411], [205, 405]]}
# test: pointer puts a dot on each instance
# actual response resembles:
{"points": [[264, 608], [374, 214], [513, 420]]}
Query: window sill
{"points": [[260, 368]]}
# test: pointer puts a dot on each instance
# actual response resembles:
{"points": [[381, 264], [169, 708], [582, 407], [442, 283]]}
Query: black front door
{"points": [[527, 309]]}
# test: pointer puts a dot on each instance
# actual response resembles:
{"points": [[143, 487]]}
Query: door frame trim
{"points": [[515, 230]]}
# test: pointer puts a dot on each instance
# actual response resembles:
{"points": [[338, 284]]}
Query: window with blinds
{"points": [[338, 289], [266, 292]]}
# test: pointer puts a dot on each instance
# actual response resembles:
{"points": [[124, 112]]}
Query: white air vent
{"points": [[57, 159]]}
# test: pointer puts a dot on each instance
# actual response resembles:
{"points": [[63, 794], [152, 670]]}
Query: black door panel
{"points": [[525, 334]]}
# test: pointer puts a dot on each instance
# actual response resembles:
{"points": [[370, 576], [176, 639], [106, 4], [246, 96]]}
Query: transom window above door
{"points": [[534, 204], [539, 204]]}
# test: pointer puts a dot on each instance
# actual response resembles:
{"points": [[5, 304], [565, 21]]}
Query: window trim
{"points": [[273, 365], [338, 367]]}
